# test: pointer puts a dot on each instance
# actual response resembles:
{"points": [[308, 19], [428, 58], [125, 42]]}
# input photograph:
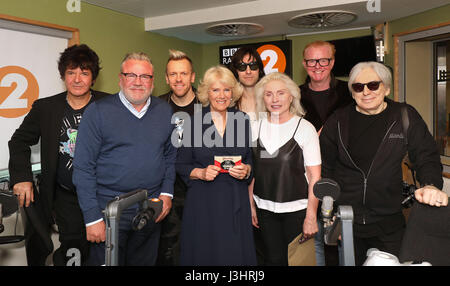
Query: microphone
{"points": [[327, 206], [327, 190], [150, 213]]}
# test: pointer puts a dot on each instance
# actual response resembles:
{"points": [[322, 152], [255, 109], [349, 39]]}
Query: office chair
{"points": [[427, 235]]}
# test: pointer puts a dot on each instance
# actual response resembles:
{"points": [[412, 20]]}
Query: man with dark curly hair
{"points": [[54, 122]]}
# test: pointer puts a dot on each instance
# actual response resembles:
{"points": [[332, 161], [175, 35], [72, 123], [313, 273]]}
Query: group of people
{"points": [[234, 162]]}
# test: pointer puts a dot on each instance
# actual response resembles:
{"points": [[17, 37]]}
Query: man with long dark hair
{"points": [[248, 68]]}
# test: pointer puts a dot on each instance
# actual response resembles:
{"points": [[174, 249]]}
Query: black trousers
{"points": [[277, 231], [169, 244], [387, 242], [71, 227]]}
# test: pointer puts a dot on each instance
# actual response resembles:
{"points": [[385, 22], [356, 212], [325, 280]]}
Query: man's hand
{"points": [[430, 195], [24, 193], [96, 232], [167, 205]]}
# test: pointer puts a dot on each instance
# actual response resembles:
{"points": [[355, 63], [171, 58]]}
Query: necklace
{"points": [[75, 105]]}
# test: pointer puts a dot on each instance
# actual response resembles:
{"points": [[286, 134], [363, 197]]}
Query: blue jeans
{"points": [[319, 244]]}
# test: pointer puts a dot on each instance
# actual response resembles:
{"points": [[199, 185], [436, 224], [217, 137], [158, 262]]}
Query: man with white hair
{"points": [[363, 146]]}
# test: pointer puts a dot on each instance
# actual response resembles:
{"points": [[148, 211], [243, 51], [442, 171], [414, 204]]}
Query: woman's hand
{"points": [[254, 215], [310, 227], [240, 172], [253, 204], [206, 174]]}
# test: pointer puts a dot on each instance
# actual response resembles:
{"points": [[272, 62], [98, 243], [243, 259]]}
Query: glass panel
{"points": [[442, 61]]}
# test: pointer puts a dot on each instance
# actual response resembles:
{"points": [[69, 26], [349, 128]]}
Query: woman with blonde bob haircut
{"points": [[216, 228], [295, 107], [287, 164], [223, 75]]}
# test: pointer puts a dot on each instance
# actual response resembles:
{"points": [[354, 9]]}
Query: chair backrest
{"points": [[427, 235], [8, 206]]}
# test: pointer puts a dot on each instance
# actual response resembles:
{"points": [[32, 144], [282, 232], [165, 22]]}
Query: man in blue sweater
{"points": [[124, 143]]}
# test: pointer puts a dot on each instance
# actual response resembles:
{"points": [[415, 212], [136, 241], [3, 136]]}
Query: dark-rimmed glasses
{"points": [[132, 76], [359, 87], [323, 62], [243, 66]]}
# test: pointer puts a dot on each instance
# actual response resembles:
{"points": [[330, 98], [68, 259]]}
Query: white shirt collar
{"points": [[131, 108]]}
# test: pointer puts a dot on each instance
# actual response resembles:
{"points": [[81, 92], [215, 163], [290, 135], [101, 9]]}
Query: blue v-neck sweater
{"points": [[116, 153]]}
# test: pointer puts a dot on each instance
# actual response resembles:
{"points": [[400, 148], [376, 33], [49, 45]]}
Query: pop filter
{"points": [[9, 203], [326, 187], [326, 190]]}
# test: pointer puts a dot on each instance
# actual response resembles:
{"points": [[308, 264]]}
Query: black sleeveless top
{"points": [[281, 177]]}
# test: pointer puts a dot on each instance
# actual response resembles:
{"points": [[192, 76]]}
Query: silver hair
{"points": [[138, 56], [295, 108], [381, 70]]}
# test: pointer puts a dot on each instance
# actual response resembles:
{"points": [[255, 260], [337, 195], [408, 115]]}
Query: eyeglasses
{"points": [[132, 76], [243, 66], [324, 62], [359, 87]]}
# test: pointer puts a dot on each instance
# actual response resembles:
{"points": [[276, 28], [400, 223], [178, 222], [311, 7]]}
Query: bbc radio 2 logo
{"points": [[18, 90], [273, 58]]}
